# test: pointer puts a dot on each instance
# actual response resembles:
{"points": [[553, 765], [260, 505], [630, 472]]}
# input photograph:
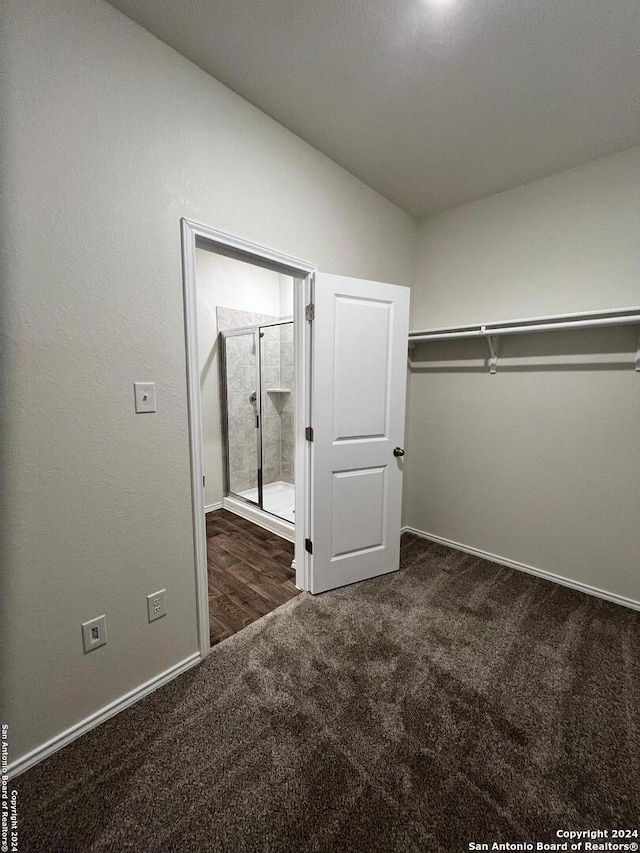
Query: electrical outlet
{"points": [[157, 605], [94, 633]]}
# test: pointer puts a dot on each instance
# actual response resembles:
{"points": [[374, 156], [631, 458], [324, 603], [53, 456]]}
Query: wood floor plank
{"points": [[263, 563], [226, 583], [249, 572], [290, 587], [261, 584], [229, 613], [217, 630], [238, 544]]}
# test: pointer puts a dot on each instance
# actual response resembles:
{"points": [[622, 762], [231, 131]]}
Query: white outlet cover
{"points": [[94, 633], [145, 397], [157, 605]]}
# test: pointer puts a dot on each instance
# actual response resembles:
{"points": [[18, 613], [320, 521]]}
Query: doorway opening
{"points": [[349, 403], [248, 359], [247, 386]]}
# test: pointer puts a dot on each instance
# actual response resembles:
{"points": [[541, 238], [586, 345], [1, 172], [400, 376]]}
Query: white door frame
{"points": [[303, 273]]}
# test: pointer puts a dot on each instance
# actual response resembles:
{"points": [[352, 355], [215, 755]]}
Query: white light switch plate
{"points": [[145, 394], [157, 604]]}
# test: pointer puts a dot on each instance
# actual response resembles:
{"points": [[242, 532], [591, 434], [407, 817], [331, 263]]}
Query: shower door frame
{"points": [[228, 491], [195, 235]]}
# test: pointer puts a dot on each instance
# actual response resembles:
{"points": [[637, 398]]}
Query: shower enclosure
{"points": [[257, 378]]}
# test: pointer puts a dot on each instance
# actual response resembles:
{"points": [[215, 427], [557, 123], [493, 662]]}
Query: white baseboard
{"points": [[281, 528], [531, 570], [41, 752], [212, 507]]}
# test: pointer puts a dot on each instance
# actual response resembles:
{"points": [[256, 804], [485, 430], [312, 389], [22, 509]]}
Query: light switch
{"points": [[145, 394]]}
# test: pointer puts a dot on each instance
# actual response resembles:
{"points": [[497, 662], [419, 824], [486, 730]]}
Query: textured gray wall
{"points": [[109, 137], [541, 463]]}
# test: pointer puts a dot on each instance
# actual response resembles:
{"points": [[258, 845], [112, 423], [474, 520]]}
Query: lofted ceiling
{"points": [[433, 103]]}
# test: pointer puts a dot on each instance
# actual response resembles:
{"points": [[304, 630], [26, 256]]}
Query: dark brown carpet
{"points": [[453, 701]]}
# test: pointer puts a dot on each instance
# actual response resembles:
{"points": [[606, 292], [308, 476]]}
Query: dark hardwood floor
{"points": [[249, 570]]}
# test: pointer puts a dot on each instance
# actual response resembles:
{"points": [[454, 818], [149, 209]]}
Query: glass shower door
{"points": [[241, 371]]}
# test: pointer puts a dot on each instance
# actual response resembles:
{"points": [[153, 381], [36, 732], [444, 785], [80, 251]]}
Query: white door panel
{"points": [[358, 391], [361, 335]]}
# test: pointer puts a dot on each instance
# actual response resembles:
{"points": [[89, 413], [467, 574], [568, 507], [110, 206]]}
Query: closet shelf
{"points": [[493, 331]]}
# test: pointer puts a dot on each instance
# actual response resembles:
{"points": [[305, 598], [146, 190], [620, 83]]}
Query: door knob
{"points": [[398, 451]]}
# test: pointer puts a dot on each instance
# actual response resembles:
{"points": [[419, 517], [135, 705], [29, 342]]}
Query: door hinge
{"points": [[204, 481], [310, 312], [308, 433], [308, 546]]}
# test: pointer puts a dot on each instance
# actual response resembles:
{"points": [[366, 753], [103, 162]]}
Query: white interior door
{"points": [[359, 375]]}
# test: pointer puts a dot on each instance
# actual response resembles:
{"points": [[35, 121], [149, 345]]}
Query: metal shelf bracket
{"points": [[493, 343]]}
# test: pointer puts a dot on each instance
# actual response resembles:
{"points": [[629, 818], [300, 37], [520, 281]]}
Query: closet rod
{"points": [[624, 317]]}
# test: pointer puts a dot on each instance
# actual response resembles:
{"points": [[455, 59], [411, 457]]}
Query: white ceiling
{"points": [[431, 102]]}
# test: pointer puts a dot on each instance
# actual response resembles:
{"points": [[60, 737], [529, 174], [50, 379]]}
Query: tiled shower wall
{"points": [[278, 403]]}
